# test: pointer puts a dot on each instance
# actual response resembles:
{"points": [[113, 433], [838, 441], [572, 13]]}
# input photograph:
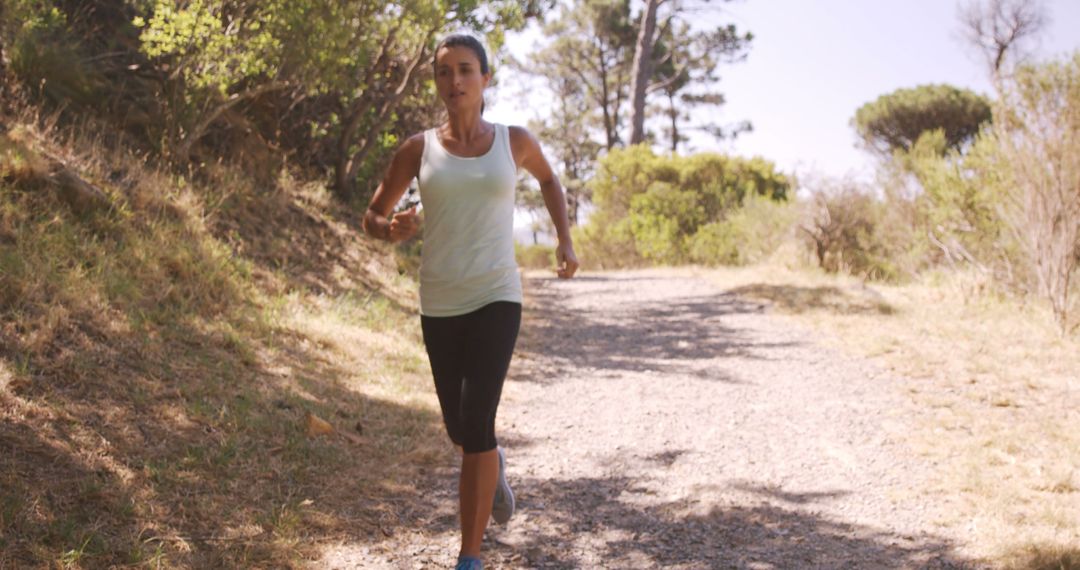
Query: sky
{"points": [[812, 64]]}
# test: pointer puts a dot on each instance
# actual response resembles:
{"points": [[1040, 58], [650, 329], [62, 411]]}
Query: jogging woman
{"points": [[470, 290]]}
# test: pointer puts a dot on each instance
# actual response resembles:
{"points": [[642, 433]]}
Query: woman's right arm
{"points": [[403, 168]]}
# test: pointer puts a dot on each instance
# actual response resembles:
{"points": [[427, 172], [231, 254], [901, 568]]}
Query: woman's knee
{"points": [[479, 437]]}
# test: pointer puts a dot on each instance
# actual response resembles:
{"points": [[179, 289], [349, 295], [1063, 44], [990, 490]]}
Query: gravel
{"points": [[652, 420]]}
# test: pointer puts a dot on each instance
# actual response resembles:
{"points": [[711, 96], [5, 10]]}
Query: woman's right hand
{"points": [[404, 225]]}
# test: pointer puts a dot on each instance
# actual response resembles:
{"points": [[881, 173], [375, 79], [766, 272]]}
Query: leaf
{"points": [[317, 426]]}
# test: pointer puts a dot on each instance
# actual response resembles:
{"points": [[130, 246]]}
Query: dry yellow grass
{"points": [[998, 390]]}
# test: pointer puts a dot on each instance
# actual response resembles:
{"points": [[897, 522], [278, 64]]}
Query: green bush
{"points": [[716, 243], [536, 256], [661, 219], [46, 56], [750, 233], [605, 244], [649, 207]]}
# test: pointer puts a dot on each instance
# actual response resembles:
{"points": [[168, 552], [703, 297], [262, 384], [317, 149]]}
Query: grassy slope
{"points": [[158, 360]]}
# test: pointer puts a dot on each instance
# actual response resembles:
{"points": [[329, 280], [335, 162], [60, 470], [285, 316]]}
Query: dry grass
{"points": [[157, 361], [997, 389]]}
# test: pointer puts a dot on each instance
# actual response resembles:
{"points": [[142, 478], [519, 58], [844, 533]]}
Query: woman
{"points": [[470, 291]]}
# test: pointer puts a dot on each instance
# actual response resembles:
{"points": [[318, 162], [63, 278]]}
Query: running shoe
{"points": [[503, 507], [469, 563]]}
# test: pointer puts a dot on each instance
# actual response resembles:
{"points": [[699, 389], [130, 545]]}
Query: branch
{"points": [[674, 78], [209, 117], [390, 104]]}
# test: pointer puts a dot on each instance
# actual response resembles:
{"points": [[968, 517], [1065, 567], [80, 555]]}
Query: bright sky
{"points": [[812, 64]]}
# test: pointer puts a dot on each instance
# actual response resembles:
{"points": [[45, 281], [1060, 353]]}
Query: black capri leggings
{"points": [[469, 356]]}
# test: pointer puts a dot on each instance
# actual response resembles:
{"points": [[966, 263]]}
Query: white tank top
{"points": [[467, 257]]}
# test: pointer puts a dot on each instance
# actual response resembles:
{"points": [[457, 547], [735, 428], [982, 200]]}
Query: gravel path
{"points": [[653, 421]]}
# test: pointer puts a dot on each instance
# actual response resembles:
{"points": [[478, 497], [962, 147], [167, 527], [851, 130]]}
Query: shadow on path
{"points": [[600, 515], [681, 336]]}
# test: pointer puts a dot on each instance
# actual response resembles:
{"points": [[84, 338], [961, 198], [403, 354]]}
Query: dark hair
{"points": [[465, 40]]}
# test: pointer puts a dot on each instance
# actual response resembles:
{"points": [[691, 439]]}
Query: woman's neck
{"points": [[466, 126]]}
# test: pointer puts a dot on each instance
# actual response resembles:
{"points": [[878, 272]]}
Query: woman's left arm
{"points": [[530, 156]]}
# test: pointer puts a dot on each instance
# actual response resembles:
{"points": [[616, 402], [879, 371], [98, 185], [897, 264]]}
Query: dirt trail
{"points": [[652, 420]]}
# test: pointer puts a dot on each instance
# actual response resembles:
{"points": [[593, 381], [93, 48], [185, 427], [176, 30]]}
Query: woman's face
{"points": [[458, 78]]}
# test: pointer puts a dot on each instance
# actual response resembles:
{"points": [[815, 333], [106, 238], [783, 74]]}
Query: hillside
{"points": [[161, 347]]}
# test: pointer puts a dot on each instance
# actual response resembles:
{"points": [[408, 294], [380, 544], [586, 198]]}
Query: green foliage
{"points": [[538, 256], [716, 243], [649, 207], [959, 202], [749, 234], [661, 219], [606, 242], [212, 48], [895, 121], [44, 55]]}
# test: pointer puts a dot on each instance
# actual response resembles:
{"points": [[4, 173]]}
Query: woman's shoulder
{"points": [[518, 131], [520, 137], [413, 146]]}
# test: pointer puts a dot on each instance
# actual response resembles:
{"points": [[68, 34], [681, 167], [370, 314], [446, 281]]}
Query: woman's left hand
{"points": [[567, 261]]}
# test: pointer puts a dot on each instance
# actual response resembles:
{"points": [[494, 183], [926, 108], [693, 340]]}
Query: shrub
{"points": [[841, 227], [649, 207], [750, 233], [605, 244], [662, 219], [536, 256], [716, 243]]}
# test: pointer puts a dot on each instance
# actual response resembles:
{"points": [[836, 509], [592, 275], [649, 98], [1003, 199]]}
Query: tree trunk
{"points": [[674, 113], [609, 126], [643, 68]]}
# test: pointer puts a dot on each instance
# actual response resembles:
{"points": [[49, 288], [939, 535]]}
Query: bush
{"points": [[716, 243], [605, 244], [46, 56], [649, 207], [662, 219], [749, 234], [537, 256], [841, 226], [957, 209]]}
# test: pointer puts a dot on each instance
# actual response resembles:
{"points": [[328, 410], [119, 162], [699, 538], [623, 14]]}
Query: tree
{"points": [[585, 69], [653, 28], [686, 63], [566, 131], [590, 56], [1037, 158], [999, 28], [894, 121], [643, 69], [367, 58]]}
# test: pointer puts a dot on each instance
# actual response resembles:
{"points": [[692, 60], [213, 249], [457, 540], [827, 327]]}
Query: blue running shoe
{"points": [[503, 507], [469, 563]]}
